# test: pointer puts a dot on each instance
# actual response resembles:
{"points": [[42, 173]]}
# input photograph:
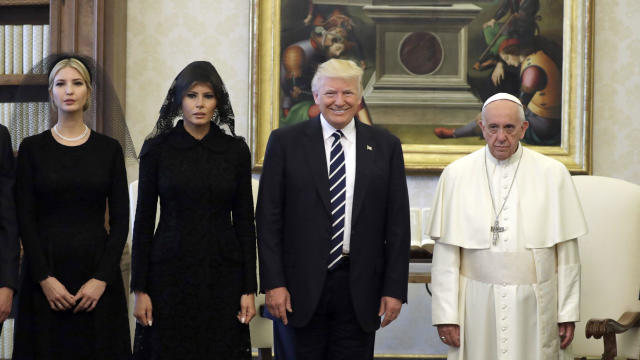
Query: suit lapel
{"points": [[317, 159], [364, 160]]}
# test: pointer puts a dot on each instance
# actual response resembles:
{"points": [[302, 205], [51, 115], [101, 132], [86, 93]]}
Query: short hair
{"points": [[80, 68], [337, 68]]}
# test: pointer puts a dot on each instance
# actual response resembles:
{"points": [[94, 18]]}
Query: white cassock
{"points": [[507, 296]]}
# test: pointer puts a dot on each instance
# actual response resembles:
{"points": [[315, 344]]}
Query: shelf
{"points": [[32, 88], [19, 79], [17, 12], [24, 2], [28, 93], [419, 278]]}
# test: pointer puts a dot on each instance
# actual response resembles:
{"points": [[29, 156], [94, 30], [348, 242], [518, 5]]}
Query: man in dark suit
{"points": [[333, 223], [9, 246]]}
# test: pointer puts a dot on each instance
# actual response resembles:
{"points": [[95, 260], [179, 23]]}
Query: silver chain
{"points": [[486, 169]]}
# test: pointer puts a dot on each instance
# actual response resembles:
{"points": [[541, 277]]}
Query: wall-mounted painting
{"points": [[428, 67]]}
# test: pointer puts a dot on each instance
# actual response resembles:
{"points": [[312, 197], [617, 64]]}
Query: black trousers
{"points": [[333, 333]]}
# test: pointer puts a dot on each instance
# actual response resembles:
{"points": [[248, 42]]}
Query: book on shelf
{"points": [[27, 49], [2, 50], [23, 48], [7, 339], [17, 49], [419, 240], [5, 334], [8, 121], [427, 243], [8, 49], [24, 119], [17, 123], [36, 49], [46, 35], [4, 119], [416, 227], [43, 116], [32, 124]]}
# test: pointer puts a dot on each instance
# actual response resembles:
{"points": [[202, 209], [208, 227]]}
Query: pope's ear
{"points": [[525, 125]]}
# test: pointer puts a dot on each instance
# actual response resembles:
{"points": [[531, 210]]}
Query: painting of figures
{"points": [[430, 64]]}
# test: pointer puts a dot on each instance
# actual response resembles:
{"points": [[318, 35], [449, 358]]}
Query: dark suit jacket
{"points": [[293, 220], [9, 246]]}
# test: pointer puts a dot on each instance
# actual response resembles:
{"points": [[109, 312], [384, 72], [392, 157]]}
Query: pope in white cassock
{"points": [[506, 268]]}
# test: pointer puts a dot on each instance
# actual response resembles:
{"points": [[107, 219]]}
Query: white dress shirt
{"points": [[348, 141]]}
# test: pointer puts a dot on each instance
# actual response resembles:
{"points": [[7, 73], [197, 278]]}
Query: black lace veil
{"points": [[104, 114], [195, 72]]}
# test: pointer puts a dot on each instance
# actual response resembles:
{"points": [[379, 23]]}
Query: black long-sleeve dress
{"points": [[9, 246], [201, 258], [61, 197]]}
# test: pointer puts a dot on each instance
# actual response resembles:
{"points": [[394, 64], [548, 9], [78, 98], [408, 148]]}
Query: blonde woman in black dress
{"points": [[72, 302]]}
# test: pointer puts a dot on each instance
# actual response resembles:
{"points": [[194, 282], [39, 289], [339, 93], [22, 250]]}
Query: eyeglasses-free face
{"points": [[198, 105], [69, 91], [503, 128], [339, 100]]}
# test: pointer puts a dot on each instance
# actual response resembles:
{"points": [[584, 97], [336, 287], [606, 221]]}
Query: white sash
{"points": [[510, 268]]}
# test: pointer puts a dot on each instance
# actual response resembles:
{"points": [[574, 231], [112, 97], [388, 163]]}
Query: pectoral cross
{"points": [[496, 229]]}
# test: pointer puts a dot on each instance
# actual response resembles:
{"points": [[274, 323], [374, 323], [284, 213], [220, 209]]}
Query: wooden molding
{"points": [[20, 79], [24, 2], [419, 278]]}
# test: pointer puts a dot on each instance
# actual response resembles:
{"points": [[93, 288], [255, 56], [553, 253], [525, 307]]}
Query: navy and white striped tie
{"points": [[338, 195]]}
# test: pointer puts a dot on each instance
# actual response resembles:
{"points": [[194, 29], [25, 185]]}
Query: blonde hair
{"points": [[80, 68], [337, 68]]}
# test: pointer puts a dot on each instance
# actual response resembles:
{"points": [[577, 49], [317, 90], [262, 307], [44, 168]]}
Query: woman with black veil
{"points": [[71, 300], [194, 278]]}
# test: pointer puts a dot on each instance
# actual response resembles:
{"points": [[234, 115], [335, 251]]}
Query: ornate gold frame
{"points": [[577, 92]]}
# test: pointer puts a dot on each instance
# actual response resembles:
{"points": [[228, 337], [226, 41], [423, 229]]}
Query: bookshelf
{"points": [[16, 12], [17, 79], [23, 3], [94, 28]]}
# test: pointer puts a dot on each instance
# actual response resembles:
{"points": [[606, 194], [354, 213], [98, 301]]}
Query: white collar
{"points": [[506, 162], [348, 131]]}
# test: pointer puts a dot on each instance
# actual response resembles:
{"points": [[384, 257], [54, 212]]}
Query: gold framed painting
{"points": [[429, 65]]}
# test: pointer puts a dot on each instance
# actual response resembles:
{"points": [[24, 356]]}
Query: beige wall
{"points": [[616, 128], [163, 36]]}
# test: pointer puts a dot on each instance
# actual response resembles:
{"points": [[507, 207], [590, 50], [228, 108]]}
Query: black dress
{"points": [[61, 196], [201, 258]]}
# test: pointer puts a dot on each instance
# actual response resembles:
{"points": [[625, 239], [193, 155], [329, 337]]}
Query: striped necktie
{"points": [[338, 195]]}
